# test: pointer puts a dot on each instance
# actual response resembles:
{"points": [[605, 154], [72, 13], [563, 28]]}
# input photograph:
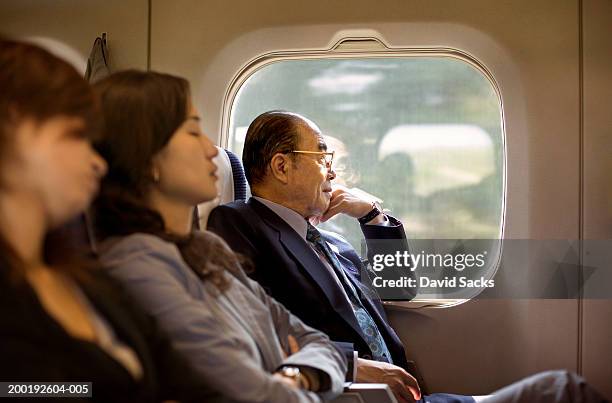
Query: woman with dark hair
{"points": [[61, 322], [232, 332]]}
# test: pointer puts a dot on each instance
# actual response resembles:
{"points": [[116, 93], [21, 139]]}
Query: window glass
{"points": [[422, 133]]}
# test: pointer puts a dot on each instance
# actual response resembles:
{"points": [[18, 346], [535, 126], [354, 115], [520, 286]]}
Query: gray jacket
{"points": [[235, 339]]}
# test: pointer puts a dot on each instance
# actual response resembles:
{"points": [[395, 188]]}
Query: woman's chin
{"points": [[208, 197], [61, 219]]}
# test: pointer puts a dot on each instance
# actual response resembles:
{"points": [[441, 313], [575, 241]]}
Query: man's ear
{"points": [[279, 167]]}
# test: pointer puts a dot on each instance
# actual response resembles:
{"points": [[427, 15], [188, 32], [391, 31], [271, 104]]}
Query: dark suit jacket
{"points": [[34, 347], [287, 267]]}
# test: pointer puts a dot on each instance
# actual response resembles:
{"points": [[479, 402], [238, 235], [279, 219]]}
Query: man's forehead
{"points": [[312, 138]]}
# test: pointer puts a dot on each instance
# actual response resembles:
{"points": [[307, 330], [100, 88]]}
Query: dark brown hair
{"points": [[270, 133], [141, 112], [34, 84]]}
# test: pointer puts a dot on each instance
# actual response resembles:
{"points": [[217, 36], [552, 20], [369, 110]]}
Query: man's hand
{"points": [[345, 202], [404, 386]]}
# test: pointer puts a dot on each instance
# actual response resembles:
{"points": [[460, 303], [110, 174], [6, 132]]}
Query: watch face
{"points": [[291, 371]]}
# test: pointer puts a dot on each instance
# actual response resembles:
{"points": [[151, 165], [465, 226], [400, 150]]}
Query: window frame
{"points": [[372, 47]]}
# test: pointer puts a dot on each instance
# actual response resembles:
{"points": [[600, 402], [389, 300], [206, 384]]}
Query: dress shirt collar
{"points": [[292, 218]]}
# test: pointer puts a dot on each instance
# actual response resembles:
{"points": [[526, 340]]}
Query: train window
{"points": [[423, 133]]}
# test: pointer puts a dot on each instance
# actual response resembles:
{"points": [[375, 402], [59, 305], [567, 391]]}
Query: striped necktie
{"points": [[370, 331]]}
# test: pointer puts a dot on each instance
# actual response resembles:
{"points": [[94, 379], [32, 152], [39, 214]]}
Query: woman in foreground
{"points": [[232, 332]]}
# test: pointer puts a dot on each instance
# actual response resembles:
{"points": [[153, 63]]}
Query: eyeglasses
{"points": [[327, 157]]}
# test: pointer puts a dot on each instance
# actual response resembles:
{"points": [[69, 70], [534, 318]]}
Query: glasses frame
{"points": [[328, 165]]}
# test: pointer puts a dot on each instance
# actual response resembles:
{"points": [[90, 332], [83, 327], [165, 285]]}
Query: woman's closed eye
{"points": [[80, 135]]}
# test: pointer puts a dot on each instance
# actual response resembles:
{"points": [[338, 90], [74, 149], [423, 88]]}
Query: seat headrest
{"points": [[241, 187], [231, 184]]}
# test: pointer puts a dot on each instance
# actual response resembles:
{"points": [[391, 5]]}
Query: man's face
{"points": [[310, 180]]}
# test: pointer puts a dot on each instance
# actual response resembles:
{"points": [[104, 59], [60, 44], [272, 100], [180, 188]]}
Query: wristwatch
{"points": [[376, 210], [295, 374]]}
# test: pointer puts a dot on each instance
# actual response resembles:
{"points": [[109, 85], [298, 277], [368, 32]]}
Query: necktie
{"points": [[370, 331]]}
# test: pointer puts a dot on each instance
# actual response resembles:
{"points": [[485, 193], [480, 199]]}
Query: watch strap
{"points": [[371, 214]]}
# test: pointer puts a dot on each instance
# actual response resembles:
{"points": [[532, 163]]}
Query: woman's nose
{"points": [[209, 147], [99, 165]]}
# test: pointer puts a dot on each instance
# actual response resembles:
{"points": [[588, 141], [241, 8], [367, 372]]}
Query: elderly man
{"points": [[315, 274]]}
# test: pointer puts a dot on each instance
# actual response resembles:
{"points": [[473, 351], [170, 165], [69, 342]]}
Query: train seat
{"points": [[231, 185]]}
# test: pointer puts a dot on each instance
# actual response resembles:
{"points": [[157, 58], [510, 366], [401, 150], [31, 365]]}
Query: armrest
{"points": [[366, 393]]}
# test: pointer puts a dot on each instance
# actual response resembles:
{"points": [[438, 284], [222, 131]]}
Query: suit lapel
{"points": [[309, 261]]}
